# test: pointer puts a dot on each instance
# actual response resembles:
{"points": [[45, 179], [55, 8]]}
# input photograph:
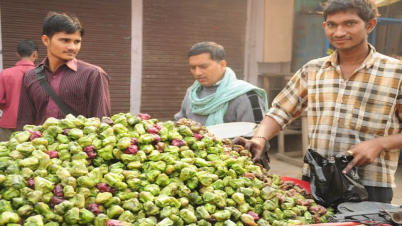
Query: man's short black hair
{"points": [[366, 9], [216, 51], [25, 48], [61, 22]]}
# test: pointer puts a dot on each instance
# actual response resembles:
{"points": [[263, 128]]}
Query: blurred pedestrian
{"points": [[10, 86]]}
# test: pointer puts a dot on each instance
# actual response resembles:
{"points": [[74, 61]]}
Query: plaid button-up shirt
{"points": [[342, 113]]}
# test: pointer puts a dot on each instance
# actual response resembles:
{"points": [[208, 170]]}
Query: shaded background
{"points": [[170, 28]]}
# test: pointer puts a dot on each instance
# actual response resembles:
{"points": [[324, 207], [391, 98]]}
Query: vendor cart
{"points": [[347, 214]]}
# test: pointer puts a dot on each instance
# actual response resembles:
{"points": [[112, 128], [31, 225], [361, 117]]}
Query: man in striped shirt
{"points": [[353, 100], [83, 87]]}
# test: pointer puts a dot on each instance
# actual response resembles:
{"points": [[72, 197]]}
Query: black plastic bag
{"points": [[329, 186]]}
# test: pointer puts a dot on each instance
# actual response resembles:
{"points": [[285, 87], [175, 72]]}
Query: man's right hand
{"points": [[267, 129], [256, 147]]}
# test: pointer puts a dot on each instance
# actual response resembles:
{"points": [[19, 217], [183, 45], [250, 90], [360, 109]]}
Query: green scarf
{"points": [[216, 105]]}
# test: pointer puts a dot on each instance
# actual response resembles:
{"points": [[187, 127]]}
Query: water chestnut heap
{"points": [[134, 170]]}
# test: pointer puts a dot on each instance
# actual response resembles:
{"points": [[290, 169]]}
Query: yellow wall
{"points": [[278, 30]]}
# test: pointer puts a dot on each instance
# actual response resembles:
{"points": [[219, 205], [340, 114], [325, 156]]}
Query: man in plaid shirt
{"points": [[353, 100]]}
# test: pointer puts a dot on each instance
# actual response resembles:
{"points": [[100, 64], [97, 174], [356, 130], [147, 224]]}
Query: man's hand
{"points": [[363, 154], [267, 129], [255, 146], [239, 141]]}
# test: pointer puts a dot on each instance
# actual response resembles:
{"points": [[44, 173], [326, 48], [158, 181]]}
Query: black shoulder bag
{"points": [[258, 116], [255, 104], [41, 77]]}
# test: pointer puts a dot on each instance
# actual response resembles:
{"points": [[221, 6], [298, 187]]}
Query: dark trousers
{"points": [[380, 194], [5, 134]]}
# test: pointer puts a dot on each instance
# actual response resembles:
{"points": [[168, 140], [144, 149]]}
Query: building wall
{"points": [[308, 39], [308, 34], [170, 28], [106, 42], [278, 31], [146, 60], [389, 36]]}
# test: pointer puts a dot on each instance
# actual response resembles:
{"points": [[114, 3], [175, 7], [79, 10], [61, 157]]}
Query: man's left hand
{"points": [[363, 154]]}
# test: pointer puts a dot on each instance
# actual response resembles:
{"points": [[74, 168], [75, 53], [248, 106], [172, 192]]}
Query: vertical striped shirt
{"points": [[342, 113], [85, 91]]}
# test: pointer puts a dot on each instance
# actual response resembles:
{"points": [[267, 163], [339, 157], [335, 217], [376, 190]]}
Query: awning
{"points": [[380, 3]]}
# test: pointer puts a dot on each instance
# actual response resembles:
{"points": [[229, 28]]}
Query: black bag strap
{"points": [[255, 104], [41, 77], [258, 116]]}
